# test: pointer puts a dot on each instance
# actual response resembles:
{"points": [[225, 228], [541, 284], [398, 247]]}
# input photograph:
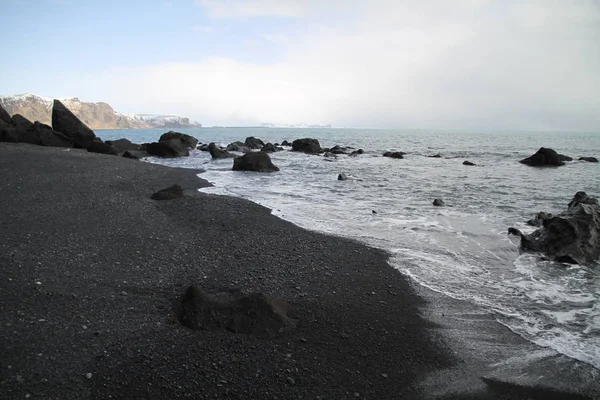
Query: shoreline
{"points": [[111, 263]]}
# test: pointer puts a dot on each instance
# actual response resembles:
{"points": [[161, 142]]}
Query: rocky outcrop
{"points": [[98, 146], [589, 159], [187, 140], [438, 203], [571, 237], [539, 218], [168, 148], [170, 193], [20, 129], [251, 314], [254, 143], [270, 148], [469, 163], [307, 145], [124, 145], [545, 157], [64, 121], [394, 154], [216, 152], [255, 161]]}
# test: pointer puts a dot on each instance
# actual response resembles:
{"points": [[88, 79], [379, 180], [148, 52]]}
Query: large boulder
{"points": [[216, 152], [270, 148], [187, 140], [256, 161], [4, 115], [124, 145], [254, 143], [8, 133], [251, 314], [338, 150], [307, 145], [98, 146], [545, 157], [20, 122], [49, 137], [63, 120], [571, 237], [168, 148], [394, 154], [238, 146]]}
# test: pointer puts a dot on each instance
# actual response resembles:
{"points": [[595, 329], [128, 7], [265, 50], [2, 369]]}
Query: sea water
{"points": [[461, 250]]}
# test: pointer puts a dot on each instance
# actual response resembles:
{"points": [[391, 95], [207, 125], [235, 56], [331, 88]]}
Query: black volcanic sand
{"points": [[92, 270]]}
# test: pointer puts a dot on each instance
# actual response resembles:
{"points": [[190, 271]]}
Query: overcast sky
{"points": [[461, 64]]}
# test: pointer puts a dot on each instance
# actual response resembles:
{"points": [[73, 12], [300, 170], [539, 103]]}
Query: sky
{"points": [[430, 64]]}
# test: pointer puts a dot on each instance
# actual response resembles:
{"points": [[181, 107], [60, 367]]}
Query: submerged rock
{"points": [[468, 163], [270, 148], [394, 154], [572, 237], [216, 152], [251, 314], [545, 157], [435, 156], [168, 148], [438, 203], [307, 145], [588, 159], [342, 177], [255, 161], [64, 121], [356, 153], [170, 193]]}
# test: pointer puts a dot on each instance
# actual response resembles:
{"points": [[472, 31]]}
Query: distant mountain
{"points": [[269, 125], [95, 115]]}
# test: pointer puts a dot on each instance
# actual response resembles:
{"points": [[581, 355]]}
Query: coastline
{"points": [[111, 263]]}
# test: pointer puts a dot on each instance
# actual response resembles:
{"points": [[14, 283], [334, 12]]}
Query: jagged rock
{"points": [[168, 148], [98, 146], [238, 146], [251, 314], [254, 143], [342, 177], [539, 218], [468, 163], [21, 123], [187, 140], [394, 154], [545, 157], [49, 137], [124, 145], [64, 121], [216, 152], [4, 115], [270, 148], [438, 203], [357, 152], [255, 161], [307, 145], [588, 159], [572, 236], [170, 193]]}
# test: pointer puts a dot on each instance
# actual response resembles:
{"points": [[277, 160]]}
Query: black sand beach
{"points": [[92, 270]]}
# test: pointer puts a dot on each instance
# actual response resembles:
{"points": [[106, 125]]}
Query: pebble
{"points": [[88, 375], [123, 293], [384, 375], [291, 380]]}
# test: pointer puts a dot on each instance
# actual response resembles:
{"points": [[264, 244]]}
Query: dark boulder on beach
{"points": [[251, 314], [216, 152], [4, 115], [469, 163], [589, 159], [169, 148], [131, 155], [254, 143], [342, 177], [98, 146], [189, 141], [170, 193], [238, 146], [307, 145], [571, 237], [21, 123], [270, 148], [124, 145], [8, 133], [438, 203], [258, 161], [394, 154], [64, 121], [49, 137], [545, 157]]}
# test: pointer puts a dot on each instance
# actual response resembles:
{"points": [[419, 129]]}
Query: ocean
{"points": [[461, 250]]}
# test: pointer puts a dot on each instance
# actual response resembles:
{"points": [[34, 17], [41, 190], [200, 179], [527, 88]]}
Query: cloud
{"points": [[202, 28], [466, 64], [244, 9]]}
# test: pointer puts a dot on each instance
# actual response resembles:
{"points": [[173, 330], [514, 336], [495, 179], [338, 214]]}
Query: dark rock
{"points": [[64, 121], [435, 156], [168, 148], [251, 314], [170, 193], [307, 145], [21, 123], [286, 143], [270, 148], [238, 146], [187, 140], [254, 143], [588, 159], [357, 152], [98, 146], [572, 236], [544, 157], [338, 150], [204, 147], [124, 144], [394, 154], [342, 177], [468, 163], [8, 133], [128, 154], [438, 203], [255, 161], [539, 218], [562, 157], [216, 152], [49, 137], [4, 115]]}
